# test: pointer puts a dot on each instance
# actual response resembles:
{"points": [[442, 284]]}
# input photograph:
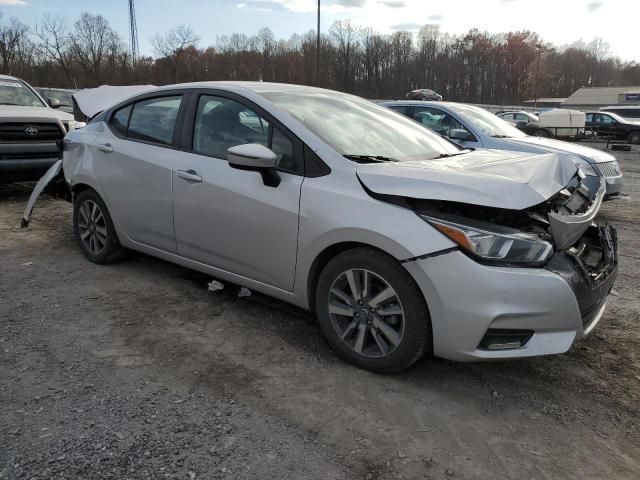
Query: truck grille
{"points": [[29, 155], [30, 132], [609, 169]]}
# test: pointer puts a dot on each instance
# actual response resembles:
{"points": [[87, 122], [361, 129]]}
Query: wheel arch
{"points": [[324, 257]]}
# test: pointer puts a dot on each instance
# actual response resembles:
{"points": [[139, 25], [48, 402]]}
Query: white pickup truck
{"points": [[31, 131]]}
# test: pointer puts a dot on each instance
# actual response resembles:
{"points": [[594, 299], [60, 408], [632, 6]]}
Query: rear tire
{"points": [[384, 326], [94, 230], [542, 133], [634, 137]]}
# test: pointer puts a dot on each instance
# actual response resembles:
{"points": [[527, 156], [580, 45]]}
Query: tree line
{"points": [[477, 67]]}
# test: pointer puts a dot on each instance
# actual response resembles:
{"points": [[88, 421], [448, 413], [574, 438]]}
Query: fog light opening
{"points": [[505, 339]]}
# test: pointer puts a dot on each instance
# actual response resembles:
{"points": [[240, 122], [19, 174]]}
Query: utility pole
{"points": [[535, 97], [318, 49], [133, 32]]}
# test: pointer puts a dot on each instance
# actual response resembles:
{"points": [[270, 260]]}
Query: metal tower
{"points": [[133, 32]]}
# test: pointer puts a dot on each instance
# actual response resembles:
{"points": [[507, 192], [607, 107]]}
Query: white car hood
{"points": [[492, 178], [32, 114], [558, 146]]}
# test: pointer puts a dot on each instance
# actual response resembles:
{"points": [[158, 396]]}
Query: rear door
{"points": [[134, 163], [228, 218]]}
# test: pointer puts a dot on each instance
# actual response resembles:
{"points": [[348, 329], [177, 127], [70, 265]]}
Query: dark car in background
{"points": [[423, 94], [625, 111], [58, 98], [611, 125]]}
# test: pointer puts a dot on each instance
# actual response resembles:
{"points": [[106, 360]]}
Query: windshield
{"points": [[354, 126], [486, 122], [14, 92]]}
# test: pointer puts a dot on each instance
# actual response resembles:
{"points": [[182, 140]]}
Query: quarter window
{"points": [[120, 120], [154, 120], [222, 123]]}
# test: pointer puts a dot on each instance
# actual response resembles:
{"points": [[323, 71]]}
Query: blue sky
{"points": [[558, 21]]}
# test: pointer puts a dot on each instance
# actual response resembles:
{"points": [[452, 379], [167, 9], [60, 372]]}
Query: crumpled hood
{"points": [[493, 178], [92, 101], [552, 145], [32, 114]]}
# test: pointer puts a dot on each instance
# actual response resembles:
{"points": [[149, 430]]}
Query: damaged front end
{"points": [[583, 253]]}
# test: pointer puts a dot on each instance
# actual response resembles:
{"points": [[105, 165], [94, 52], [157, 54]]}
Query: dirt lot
{"points": [[136, 370]]}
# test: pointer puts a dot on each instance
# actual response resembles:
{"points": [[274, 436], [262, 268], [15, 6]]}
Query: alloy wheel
{"points": [[366, 313], [92, 227]]}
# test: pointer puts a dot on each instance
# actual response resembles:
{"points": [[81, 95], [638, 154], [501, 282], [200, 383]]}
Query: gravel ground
{"points": [[136, 370]]}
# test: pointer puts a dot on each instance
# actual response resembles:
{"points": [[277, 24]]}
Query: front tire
{"points": [[94, 230], [634, 137], [372, 312]]}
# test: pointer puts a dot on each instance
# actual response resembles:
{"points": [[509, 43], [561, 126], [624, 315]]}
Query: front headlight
{"points": [[515, 249], [585, 166]]}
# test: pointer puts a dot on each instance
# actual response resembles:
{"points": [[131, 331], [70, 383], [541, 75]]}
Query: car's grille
{"points": [[30, 132], [609, 169], [29, 155]]}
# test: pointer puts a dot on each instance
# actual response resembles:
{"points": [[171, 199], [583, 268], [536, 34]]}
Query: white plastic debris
{"points": [[244, 292], [27, 264], [215, 285]]}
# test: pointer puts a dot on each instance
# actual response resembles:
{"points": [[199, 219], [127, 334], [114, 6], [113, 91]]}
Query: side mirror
{"points": [[53, 102], [458, 134], [255, 157]]}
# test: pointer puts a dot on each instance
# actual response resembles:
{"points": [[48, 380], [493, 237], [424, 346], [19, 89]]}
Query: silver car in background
{"points": [[475, 127], [399, 240]]}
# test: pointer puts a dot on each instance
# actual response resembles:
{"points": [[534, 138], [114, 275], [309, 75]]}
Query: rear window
{"points": [[152, 120]]}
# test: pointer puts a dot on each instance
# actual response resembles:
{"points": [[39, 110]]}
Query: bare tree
{"points": [[172, 45], [13, 35], [93, 41], [55, 42]]}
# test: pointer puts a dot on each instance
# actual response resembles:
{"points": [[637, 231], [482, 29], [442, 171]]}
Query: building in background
{"points": [[544, 102], [594, 98]]}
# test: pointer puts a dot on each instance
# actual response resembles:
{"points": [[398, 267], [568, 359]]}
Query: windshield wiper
{"points": [[500, 136], [461, 152], [16, 104], [370, 158]]}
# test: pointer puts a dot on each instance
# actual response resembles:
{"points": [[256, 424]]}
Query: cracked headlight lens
{"points": [[515, 249]]}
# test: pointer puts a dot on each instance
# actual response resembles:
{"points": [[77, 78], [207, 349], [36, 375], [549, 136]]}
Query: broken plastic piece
{"points": [[244, 292], [215, 285]]}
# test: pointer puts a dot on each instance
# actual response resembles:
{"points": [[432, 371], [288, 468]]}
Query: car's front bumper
{"points": [[467, 300], [614, 186], [27, 161]]}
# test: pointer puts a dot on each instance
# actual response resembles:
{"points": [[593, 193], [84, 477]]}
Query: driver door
{"points": [[442, 122], [228, 218]]}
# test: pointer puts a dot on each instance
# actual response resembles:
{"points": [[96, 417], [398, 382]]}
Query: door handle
{"points": [[189, 176], [105, 147]]}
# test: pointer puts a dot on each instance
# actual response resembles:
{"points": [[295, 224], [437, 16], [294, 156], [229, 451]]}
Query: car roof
{"points": [[257, 87], [8, 77]]}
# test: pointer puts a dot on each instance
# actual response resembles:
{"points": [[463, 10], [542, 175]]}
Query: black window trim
{"points": [[186, 141], [177, 131]]}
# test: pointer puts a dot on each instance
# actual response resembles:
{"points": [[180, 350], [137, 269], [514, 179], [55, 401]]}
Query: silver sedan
{"points": [[402, 242]]}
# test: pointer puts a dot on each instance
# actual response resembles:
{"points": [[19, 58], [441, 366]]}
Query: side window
{"points": [[607, 120], [222, 123], [521, 118], [283, 147], [403, 109], [589, 117], [154, 120], [437, 120], [120, 120]]}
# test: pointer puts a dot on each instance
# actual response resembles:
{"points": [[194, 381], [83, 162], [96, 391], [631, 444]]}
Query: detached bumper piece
{"points": [[590, 268]]}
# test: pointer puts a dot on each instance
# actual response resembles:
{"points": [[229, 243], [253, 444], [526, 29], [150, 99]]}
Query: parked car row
{"points": [[402, 240], [474, 127]]}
